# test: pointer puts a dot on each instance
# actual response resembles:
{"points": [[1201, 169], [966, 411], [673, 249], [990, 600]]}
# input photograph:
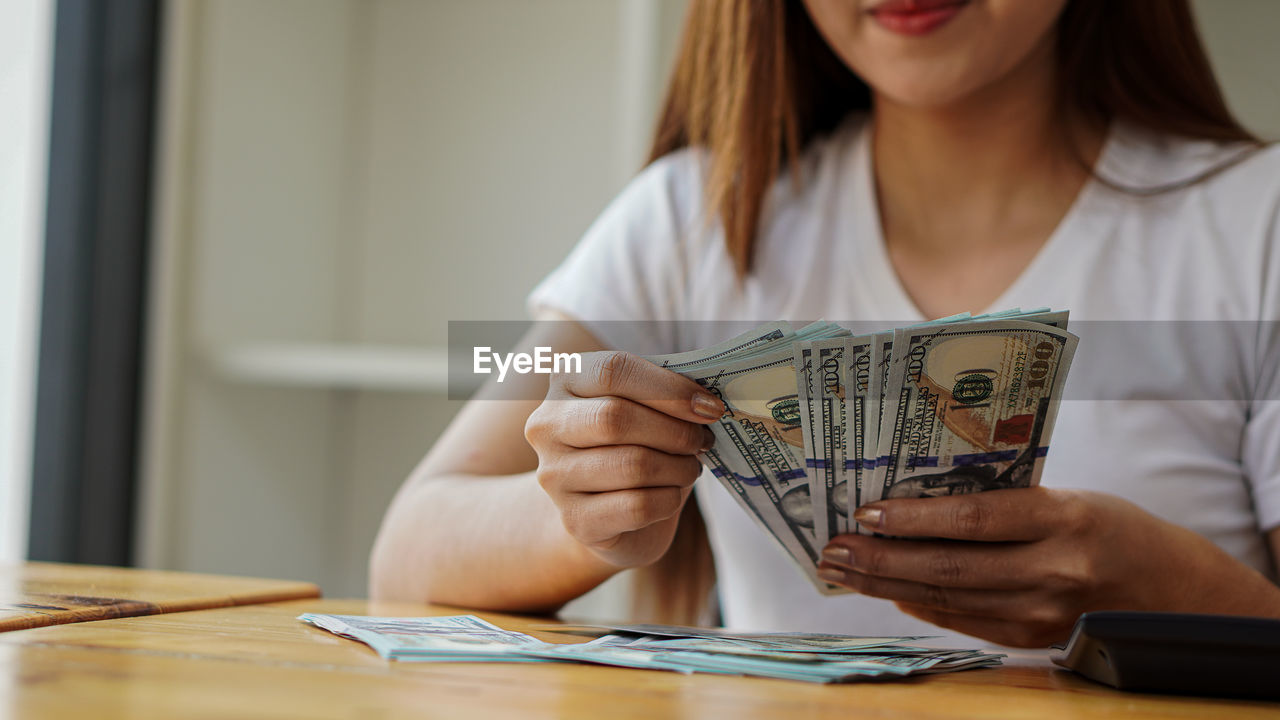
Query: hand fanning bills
{"points": [[820, 422]]}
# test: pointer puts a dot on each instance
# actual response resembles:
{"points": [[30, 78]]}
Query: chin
{"points": [[924, 93], [924, 80]]}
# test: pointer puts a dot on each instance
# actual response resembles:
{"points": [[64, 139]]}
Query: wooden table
{"points": [[38, 594], [260, 662]]}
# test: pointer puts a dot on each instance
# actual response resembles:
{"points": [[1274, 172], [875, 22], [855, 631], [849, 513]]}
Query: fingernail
{"points": [[707, 406], [831, 575], [868, 517], [838, 554]]}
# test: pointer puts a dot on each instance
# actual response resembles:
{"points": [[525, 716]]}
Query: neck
{"points": [[973, 172]]}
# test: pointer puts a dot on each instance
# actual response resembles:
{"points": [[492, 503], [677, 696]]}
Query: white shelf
{"points": [[337, 366]]}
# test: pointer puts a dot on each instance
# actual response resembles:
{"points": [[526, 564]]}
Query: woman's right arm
{"points": [[523, 505]]}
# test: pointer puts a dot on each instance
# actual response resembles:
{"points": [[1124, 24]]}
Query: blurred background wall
{"points": [[25, 44], [1241, 35], [337, 179]]}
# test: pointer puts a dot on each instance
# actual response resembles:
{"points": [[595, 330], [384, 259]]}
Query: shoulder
{"points": [[1253, 179], [672, 184], [1212, 195], [665, 205], [830, 156], [1244, 176], [1207, 214], [679, 178]]}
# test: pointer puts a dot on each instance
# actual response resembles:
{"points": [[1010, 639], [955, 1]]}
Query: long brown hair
{"points": [[754, 83]]}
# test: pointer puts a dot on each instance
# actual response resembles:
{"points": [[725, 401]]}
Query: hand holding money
{"points": [[819, 422], [1019, 566], [617, 446]]}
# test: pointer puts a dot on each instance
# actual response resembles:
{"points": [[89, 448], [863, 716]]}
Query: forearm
{"points": [[484, 542], [1207, 579]]}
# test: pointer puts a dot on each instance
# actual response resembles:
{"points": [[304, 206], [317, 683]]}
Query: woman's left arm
{"points": [[1017, 567]]}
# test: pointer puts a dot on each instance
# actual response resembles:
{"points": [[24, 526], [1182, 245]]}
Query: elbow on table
{"points": [[399, 573], [393, 578], [387, 576]]}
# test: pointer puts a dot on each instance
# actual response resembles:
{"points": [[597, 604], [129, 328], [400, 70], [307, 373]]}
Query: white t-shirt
{"points": [[1202, 452]]}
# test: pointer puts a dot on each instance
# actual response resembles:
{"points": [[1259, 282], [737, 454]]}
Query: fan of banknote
{"points": [[820, 421], [785, 656]]}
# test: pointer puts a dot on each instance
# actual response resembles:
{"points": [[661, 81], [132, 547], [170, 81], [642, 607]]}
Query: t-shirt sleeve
{"points": [[1260, 451], [625, 281]]}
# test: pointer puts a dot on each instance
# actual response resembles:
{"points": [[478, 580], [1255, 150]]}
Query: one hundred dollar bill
{"points": [[969, 406], [819, 422], [759, 452], [862, 419], [759, 448], [789, 656], [455, 638], [810, 427], [829, 455], [731, 349]]}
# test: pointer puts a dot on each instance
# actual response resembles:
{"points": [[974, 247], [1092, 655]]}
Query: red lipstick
{"points": [[916, 17]]}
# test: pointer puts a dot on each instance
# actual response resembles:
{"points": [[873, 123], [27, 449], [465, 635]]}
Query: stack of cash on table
{"points": [[787, 656], [819, 421]]}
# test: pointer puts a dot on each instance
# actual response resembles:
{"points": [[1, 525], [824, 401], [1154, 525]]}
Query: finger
{"points": [[626, 467], [601, 517], [994, 516], [993, 566], [1000, 603], [619, 421], [626, 375], [997, 630]]}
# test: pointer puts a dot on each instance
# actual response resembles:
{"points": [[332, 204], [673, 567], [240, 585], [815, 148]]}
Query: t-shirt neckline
{"points": [[886, 287]]}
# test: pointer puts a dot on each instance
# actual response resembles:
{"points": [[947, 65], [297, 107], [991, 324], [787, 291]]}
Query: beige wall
{"points": [[353, 174], [1241, 36]]}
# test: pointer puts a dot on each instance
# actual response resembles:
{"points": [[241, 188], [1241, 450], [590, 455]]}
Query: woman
{"points": [[895, 160]]}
